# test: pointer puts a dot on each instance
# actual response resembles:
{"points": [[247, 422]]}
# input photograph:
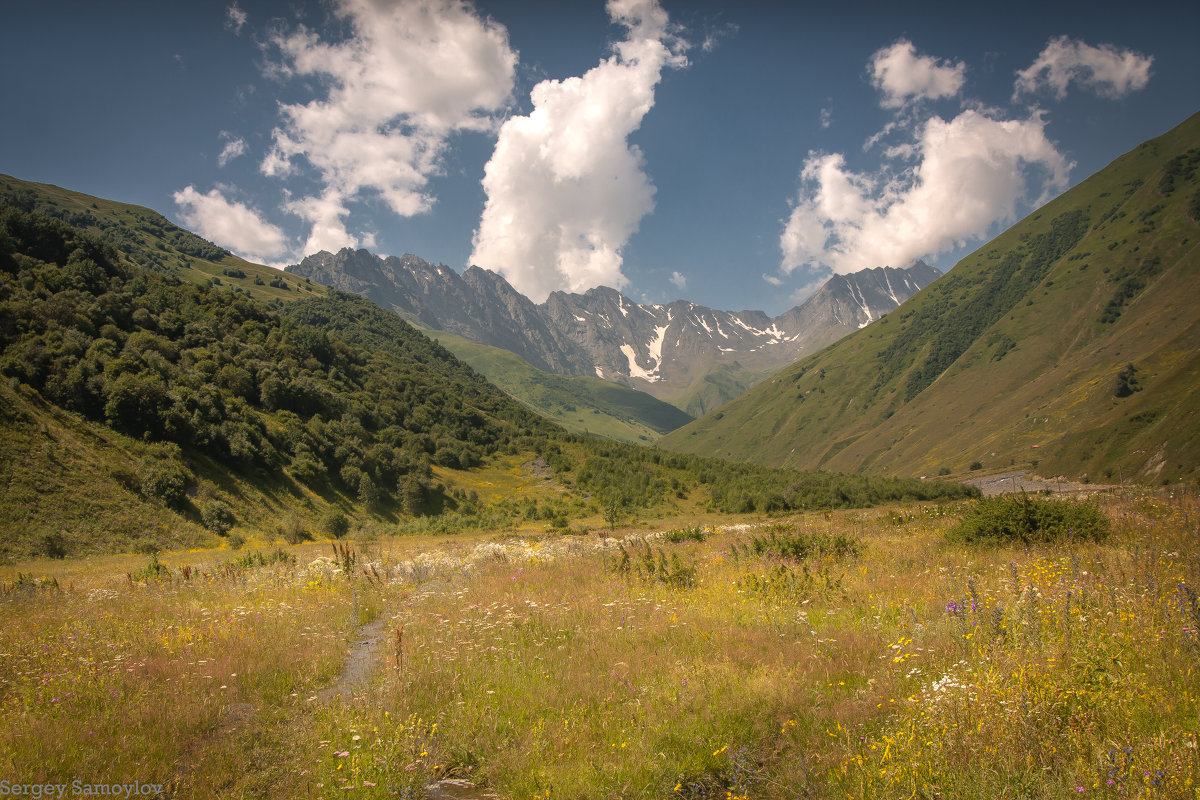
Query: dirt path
{"points": [[360, 664]]}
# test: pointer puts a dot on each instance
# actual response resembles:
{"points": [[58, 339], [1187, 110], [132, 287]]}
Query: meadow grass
{"points": [[904, 665]]}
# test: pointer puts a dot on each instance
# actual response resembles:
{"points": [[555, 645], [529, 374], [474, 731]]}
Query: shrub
{"points": [[51, 545], [1030, 520], [291, 528], [692, 533], [785, 543], [335, 524], [217, 516], [155, 570], [163, 479]]}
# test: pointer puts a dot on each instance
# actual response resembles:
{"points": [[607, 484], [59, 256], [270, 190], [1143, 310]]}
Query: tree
{"points": [[412, 494], [335, 524], [136, 403], [613, 504], [368, 494], [163, 479]]}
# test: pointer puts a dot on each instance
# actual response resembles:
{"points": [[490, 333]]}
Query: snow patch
{"points": [[634, 370], [857, 294], [655, 348], [891, 291]]}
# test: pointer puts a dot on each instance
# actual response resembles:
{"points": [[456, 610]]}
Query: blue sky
{"points": [[733, 154]]}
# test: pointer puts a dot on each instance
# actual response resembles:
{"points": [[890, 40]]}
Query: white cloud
{"points": [[565, 189], [774, 280], [230, 224], [409, 75], [325, 215], [235, 18], [904, 77], [679, 280], [948, 187], [234, 147], [826, 117], [1105, 70]]}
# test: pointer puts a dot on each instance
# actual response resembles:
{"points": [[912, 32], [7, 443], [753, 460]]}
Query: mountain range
{"points": [[1069, 344], [691, 356]]}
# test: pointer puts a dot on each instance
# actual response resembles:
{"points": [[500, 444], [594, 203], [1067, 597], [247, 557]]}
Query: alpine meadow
{"points": [[284, 515]]}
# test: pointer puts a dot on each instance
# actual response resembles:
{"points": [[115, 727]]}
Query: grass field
{"points": [[856, 654]]}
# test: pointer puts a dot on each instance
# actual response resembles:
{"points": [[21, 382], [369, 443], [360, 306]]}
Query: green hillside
{"points": [[1069, 344], [149, 240], [131, 387], [580, 404]]}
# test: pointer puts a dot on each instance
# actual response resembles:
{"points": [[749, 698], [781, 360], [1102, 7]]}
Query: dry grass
{"points": [[543, 668]]}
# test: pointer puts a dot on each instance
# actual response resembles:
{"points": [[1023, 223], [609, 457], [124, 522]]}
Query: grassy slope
{"points": [[61, 477], [579, 404], [1049, 400]]}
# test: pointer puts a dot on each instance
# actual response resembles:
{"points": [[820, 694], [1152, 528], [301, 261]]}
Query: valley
{"points": [[263, 537]]}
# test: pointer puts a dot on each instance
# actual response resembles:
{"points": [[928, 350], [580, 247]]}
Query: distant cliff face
{"points": [[692, 356]]}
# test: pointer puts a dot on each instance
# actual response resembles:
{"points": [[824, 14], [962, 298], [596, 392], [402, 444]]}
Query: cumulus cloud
{"points": [[905, 77], [230, 224], [408, 76], [679, 280], [1107, 71], [945, 188], [234, 147], [565, 189]]}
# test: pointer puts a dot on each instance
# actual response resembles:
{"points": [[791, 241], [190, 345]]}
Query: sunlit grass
{"points": [[546, 667]]}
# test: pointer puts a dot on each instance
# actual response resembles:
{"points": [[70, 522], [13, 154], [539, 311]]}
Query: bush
{"points": [[692, 533], [52, 545], [155, 570], [1030, 520], [163, 479], [217, 516], [291, 528], [335, 524]]}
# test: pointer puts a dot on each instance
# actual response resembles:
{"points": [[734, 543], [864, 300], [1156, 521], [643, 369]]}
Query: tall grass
{"points": [[897, 663]]}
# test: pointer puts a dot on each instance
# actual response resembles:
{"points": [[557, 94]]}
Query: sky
{"points": [[732, 154]]}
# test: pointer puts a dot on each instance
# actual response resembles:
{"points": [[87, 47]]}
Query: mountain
{"points": [[1069, 344], [578, 403], [693, 357]]}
